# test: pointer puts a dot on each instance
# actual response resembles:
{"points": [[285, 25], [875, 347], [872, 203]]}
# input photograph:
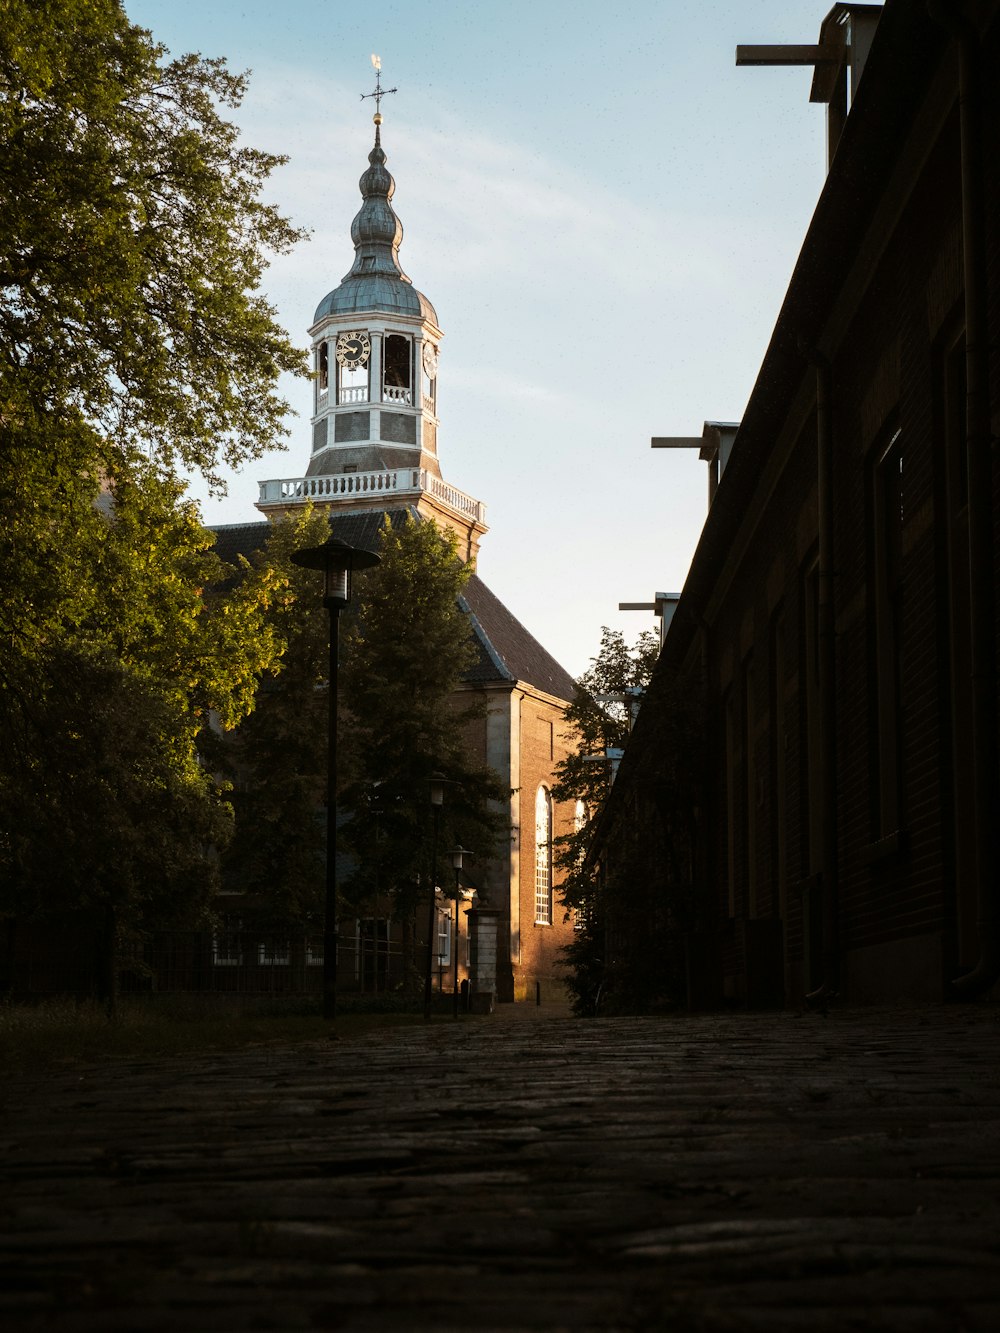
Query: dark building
{"points": [[833, 651]]}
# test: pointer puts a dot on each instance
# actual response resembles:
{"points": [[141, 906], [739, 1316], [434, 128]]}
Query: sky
{"points": [[605, 213]]}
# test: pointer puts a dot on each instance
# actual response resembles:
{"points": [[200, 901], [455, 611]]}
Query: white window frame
{"points": [[227, 950], [444, 932], [543, 857]]}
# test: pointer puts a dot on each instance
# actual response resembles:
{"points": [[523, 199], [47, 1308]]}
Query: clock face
{"points": [[353, 349], [430, 359]]}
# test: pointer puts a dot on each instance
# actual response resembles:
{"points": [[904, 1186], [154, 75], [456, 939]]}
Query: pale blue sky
{"points": [[605, 213]]}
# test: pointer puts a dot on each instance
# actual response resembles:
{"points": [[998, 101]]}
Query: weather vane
{"points": [[379, 92]]}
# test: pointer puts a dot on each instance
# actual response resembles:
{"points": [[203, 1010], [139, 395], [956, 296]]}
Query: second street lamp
{"points": [[337, 560], [458, 855], [436, 784]]}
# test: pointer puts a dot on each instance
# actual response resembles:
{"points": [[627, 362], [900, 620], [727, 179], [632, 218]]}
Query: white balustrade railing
{"points": [[392, 393], [357, 395], [452, 496], [396, 481]]}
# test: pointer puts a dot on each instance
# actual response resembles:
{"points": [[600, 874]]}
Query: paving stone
{"points": [[517, 1173]]}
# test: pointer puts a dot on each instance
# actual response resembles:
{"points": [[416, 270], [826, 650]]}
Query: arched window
{"points": [[397, 373], [543, 858], [323, 369], [579, 824]]}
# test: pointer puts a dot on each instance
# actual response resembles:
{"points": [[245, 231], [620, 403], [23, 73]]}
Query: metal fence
{"points": [[243, 962]]}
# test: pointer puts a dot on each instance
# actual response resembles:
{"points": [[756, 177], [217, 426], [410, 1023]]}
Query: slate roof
{"points": [[506, 651]]}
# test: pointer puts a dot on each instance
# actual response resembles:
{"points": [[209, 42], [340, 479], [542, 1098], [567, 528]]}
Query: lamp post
{"points": [[337, 560], [458, 855], [436, 784]]}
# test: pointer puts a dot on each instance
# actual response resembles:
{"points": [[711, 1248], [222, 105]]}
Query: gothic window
{"points": [[777, 747], [886, 508], [543, 858], [810, 696], [732, 778], [579, 824], [749, 784], [397, 377]]}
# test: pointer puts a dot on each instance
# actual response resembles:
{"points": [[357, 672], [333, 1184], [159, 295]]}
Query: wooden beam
{"points": [[789, 55]]}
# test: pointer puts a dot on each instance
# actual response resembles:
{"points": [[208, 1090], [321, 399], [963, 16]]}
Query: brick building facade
{"points": [[837, 630], [374, 452]]}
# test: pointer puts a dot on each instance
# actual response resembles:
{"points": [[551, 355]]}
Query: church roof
{"points": [[376, 280], [505, 650]]}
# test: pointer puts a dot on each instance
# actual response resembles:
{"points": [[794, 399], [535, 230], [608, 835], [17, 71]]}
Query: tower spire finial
{"points": [[379, 92]]}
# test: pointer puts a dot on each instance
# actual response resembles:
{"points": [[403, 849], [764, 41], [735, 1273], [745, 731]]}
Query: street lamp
{"points": [[337, 560], [458, 855], [436, 784]]}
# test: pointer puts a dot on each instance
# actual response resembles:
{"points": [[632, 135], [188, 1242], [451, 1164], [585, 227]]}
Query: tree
{"points": [[133, 344], [609, 694], [279, 753], [106, 697], [408, 644], [404, 646], [133, 243]]}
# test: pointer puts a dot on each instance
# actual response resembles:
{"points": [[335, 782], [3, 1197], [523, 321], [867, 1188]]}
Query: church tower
{"points": [[376, 346]]}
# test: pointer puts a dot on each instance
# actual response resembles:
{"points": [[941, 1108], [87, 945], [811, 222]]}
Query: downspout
{"points": [[827, 646], [982, 596]]}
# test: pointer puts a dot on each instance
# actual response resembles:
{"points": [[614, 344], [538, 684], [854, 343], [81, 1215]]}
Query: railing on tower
{"points": [[393, 481]]}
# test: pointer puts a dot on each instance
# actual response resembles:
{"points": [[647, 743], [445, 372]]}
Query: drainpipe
{"points": [[827, 645], [982, 597]]}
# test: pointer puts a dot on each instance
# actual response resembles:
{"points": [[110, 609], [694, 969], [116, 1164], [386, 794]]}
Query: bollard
{"points": [[538, 992]]}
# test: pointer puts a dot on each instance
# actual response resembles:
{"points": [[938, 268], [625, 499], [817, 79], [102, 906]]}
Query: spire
{"points": [[376, 230], [376, 280]]}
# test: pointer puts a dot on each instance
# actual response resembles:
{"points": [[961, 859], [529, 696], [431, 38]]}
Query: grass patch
{"points": [[65, 1031]]}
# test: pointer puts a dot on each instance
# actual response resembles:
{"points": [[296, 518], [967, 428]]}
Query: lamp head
{"points": [[436, 783], [337, 560], [458, 855]]}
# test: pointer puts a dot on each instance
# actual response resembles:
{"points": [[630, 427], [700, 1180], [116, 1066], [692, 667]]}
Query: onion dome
{"points": [[376, 281]]}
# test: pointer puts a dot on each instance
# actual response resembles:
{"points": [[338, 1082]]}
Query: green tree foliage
{"points": [[109, 680], [133, 344], [133, 241], [278, 756], [608, 697], [635, 889], [404, 646], [408, 644]]}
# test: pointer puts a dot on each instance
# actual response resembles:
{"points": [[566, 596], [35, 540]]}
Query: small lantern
{"points": [[458, 855], [337, 560]]}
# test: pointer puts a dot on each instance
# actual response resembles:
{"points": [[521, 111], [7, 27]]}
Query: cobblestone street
{"points": [[520, 1172]]}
